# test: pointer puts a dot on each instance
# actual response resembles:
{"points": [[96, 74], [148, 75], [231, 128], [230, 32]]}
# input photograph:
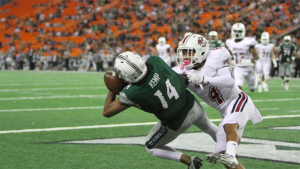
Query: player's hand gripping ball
{"points": [[113, 82]]}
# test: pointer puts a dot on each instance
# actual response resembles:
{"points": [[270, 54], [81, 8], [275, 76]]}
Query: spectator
{"points": [[99, 61], [20, 60]]}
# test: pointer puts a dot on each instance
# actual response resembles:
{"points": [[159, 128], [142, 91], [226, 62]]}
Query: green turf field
{"points": [[45, 117]]}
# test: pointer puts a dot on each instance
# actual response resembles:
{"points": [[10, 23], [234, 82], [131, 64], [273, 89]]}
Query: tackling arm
{"points": [[224, 78], [113, 106]]}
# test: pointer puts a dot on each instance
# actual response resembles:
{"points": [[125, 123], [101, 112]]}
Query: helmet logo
{"points": [[201, 41], [130, 63]]}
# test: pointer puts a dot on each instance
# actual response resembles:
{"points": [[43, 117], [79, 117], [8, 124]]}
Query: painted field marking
{"points": [[50, 109], [82, 88], [60, 88], [286, 128], [276, 100], [268, 109], [116, 125], [54, 97], [49, 84], [201, 142]]}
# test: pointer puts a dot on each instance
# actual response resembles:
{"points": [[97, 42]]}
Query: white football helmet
{"points": [[287, 39], [193, 50], [162, 41], [213, 36], [265, 38], [130, 66], [238, 31]]}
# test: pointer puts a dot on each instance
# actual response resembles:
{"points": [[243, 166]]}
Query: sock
{"points": [[231, 148]]}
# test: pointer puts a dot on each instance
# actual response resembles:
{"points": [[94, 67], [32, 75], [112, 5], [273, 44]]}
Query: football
{"points": [[113, 82]]}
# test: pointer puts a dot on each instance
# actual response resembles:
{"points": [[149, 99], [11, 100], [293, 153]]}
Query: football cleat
{"points": [[286, 87], [259, 88], [211, 158], [225, 159], [196, 163]]}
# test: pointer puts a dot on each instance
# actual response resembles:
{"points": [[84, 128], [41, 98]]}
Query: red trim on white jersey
{"points": [[240, 103]]}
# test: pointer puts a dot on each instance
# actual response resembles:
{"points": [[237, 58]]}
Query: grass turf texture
{"points": [[20, 90]]}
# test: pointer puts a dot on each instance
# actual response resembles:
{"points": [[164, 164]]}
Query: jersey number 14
{"points": [[171, 92]]}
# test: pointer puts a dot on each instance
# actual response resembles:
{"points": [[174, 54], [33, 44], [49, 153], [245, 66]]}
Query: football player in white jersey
{"points": [[214, 42], [243, 53], [265, 52], [163, 50], [212, 80]]}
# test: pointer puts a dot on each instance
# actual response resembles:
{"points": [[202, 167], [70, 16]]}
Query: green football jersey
{"points": [[215, 44], [162, 92], [287, 52]]}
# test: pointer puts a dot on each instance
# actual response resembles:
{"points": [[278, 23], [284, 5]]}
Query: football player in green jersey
{"points": [[287, 50], [213, 40], [155, 88]]}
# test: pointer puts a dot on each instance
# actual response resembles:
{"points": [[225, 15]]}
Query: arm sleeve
{"points": [[224, 78]]}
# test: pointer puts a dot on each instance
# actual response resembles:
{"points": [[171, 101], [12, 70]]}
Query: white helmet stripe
{"points": [[186, 38], [131, 64]]}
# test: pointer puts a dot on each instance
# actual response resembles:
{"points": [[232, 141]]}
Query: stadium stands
{"points": [[53, 27]]}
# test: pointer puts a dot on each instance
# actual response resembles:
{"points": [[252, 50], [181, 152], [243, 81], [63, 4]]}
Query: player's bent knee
{"points": [[231, 127]]}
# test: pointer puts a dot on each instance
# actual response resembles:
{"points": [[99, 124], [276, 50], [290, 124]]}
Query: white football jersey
{"points": [[264, 52], [240, 50], [162, 50], [216, 97]]}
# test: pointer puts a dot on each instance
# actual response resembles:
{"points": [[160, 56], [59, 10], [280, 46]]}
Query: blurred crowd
{"points": [[109, 31]]}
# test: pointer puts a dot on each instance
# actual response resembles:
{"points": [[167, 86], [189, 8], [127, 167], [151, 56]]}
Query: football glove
{"points": [[194, 78]]}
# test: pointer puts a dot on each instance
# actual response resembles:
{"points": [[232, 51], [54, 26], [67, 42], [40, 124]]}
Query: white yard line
{"points": [[54, 97], [48, 84], [116, 125], [60, 88], [268, 109], [295, 111], [97, 107], [50, 109], [104, 96], [277, 100]]}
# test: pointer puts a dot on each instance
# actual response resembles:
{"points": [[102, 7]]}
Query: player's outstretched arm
{"points": [[113, 106], [224, 78]]}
